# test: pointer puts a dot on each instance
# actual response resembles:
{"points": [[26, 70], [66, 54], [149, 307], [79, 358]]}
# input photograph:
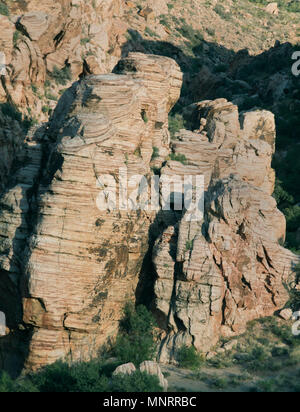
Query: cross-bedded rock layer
{"points": [[68, 267], [215, 275]]}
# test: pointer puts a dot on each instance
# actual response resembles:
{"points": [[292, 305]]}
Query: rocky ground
{"points": [[264, 359]]}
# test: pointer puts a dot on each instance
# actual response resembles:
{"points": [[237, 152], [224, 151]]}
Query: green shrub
{"points": [[85, 377], [47, 83], [54, 378], [46, 109], [16, 37], [178, 158], [220, 10], [144, 116], [136, 382], [4, 10], [189, 358], [189, 245], [194, 36], [176, 123], [11, 111], [266, 385], [84, 41], [221, 361], [150, 32], [155, 153], [291, 6], [135, 342], [61, 76], [50, 96], [218, 382], [6, 383], [20, 385], [260, 359]]}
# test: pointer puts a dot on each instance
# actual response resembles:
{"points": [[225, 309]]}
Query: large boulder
{"points": [[272, 8], [126, 369], [153, 368]]}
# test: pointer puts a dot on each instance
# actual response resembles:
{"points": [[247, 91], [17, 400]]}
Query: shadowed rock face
{"points": [[71, 266], [215, 275]]}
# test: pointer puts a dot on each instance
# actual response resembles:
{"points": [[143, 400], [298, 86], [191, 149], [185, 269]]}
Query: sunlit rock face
{"points": [[70, 266], [41, 36]]}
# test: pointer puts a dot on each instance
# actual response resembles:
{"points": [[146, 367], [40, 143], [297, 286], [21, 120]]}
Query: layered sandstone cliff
{"points": [[66, 267], [38, 36], [45, 47], [215, 275], [70, 266]]}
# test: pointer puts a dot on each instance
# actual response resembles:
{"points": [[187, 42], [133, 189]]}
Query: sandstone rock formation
{"points": [[67, 268], [152, 368], [215, 275], [272, 8], [126, 369], [40, 36], [286, 314], [63, 285]]}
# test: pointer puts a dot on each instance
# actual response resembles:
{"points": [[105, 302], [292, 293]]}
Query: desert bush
{"points": [[260, 359], [144, 116], [178, 158], [61, 76], [135, 342], [176, 123], [136, 382], [221, 361], [90, 376], [4, 10], [155, 153], [16, 37], [218, 382], [189, 358], [7, 384]]}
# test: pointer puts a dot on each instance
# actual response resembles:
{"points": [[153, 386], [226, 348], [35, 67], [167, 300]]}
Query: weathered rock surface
{"points": [[40, 36], [70, 267], [286, 314], [272, 8], [62, 285], [126, 369], [215, 275], [153, 368]]}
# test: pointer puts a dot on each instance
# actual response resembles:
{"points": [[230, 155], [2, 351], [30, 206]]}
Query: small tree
{"points": [[135, 342]]}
